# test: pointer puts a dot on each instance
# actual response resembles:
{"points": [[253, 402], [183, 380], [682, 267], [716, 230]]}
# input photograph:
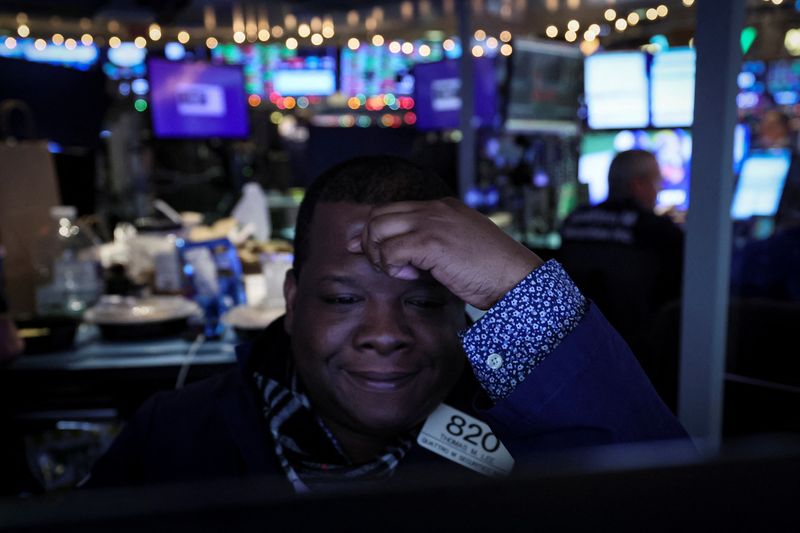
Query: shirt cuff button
{"points": [[494, 361]]}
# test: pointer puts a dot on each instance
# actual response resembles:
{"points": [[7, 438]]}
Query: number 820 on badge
{"points": [[466, 440]]}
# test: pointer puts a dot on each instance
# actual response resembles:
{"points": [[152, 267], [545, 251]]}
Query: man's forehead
{"points": [[339, 218], [334, 224]]}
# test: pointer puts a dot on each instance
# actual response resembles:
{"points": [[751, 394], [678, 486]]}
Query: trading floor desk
{"points": [[64, 407], [99, 374]]}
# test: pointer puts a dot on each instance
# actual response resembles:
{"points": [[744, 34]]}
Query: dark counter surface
{"points": [[92, 352]]}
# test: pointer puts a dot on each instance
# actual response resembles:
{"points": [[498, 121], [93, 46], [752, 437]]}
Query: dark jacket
{"points": [[590, 390], [629, 261]]}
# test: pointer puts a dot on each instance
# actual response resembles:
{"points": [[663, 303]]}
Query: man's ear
{"points": [[289, 294]]}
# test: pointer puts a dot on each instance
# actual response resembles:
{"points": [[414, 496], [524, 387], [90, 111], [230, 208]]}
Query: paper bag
{"points": [[28, 189]]}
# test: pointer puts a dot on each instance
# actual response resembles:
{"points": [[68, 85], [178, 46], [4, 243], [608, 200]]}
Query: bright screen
{"points": [[263, 63], [672, 88], [612, 104], [303, 82], [81, 57], [374, 70], [197, 100], [673, 150], [760, 184], [545, 86], [436, 92]]}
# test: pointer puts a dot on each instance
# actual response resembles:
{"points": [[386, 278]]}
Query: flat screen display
{"points": [[304, 82], [374, 70], [611, 104], [672, 88], [760, 185], [81, 57], [436, 93], [545, 86], [263, 63], [672, 148], [197, 100]]}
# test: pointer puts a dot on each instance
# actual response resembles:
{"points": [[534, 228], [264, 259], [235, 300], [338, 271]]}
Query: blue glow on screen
{"points": [[81, 57], [760, 184], [612, 104], [672, 77], [126, 55], [303, 82], [174, 51]]}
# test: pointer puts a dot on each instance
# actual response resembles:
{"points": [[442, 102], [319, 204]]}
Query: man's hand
{"points": [[462, 249]]}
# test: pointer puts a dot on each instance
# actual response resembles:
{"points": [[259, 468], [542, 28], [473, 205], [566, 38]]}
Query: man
{"points": [[627, 216], [628, 259], [375, 338], [774, 131]]}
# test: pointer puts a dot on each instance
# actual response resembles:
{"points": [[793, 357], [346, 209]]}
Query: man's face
{"points": [[772, 130], [377, 354]]}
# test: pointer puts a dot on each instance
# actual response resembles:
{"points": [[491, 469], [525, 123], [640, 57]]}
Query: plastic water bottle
{"points": [[67, 266], [253, 210]]}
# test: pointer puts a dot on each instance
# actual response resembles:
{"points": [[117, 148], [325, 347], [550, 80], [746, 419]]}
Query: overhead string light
{"points": [[154, 32], [328, 29], [254, 26], [263, 24], [251, 24]]}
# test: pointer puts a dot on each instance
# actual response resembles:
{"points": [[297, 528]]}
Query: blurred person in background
{"points": [[628, 259], [375, 339], [774, 131]]}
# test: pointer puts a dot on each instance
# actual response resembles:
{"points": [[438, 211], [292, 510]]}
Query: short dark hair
{"points": [[372, 180], [626, 167]]}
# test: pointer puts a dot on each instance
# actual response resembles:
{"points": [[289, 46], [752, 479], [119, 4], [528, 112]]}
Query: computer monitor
{"points": [[544, 87], [611, 104], [760, 184], [197, 100], [437, 95], [81, 57], [672, 88], [311, 73], [272, 69], [305, 82], [672, 148], [375, 70]]}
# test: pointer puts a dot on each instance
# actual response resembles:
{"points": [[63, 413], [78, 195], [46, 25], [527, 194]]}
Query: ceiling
{"points": [[529, 17], [525, 14]]}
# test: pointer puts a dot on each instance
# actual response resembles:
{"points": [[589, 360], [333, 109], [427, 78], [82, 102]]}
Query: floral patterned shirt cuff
{"points": [[523, 328]]}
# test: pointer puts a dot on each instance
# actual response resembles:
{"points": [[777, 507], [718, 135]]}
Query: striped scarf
{"points": [[307, 450]]}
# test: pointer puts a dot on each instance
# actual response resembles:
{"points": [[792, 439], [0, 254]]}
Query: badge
{"points": [[465, 440]]}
